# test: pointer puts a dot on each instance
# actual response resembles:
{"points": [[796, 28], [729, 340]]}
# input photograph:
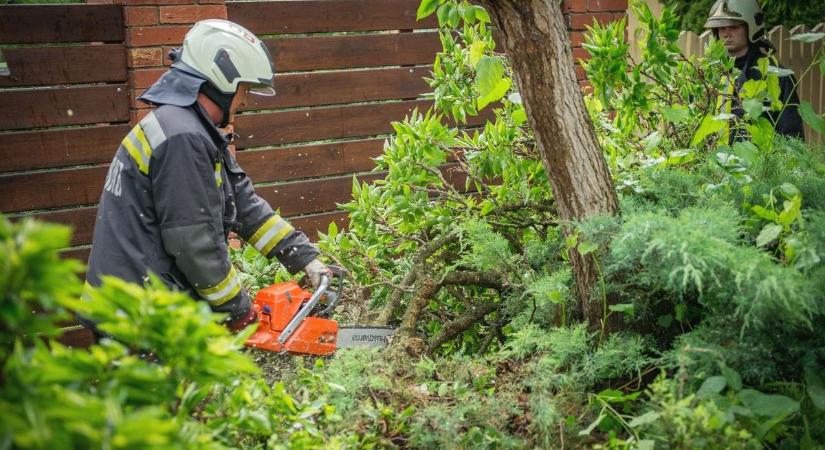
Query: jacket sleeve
{"points": [[259, 226], [790, 122], [189, 209]]}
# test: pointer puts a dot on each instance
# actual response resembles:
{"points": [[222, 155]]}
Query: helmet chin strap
{"points": [[224, 101]]}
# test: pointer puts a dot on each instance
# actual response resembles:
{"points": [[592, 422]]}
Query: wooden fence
{"points": [[345, 70], [64, 108], [795, 55]]}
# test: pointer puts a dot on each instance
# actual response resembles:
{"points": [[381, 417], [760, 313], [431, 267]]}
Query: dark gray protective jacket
{"points": [[172, 195], [789, 123]]}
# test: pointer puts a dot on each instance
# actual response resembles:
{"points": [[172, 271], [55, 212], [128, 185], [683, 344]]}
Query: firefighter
{"points": [[174, 192], [740, 24]]}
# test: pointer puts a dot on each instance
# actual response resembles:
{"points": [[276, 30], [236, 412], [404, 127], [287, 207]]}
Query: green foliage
{"points": [[32, 279], [169, 376], [777, 12]]}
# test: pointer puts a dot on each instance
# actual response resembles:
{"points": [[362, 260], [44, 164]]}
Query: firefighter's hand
{"points": [[314, 270], [238, 324]]}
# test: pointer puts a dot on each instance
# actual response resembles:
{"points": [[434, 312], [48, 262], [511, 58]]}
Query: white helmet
{"points": [[226, 54]]}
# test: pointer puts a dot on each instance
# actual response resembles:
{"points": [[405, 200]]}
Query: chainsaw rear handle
{"points": [[305, 310], [334, 297]]}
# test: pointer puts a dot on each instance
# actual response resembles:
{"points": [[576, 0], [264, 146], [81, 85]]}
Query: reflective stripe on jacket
{"points": [[172, 195]]}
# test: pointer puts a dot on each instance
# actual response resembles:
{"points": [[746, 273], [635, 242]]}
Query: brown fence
{"points": [[63, 110], [795, 55], [345, 70]]}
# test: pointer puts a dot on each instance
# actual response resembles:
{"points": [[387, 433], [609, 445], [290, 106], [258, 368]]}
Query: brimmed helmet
{"points": [[725, 13], [227, 54]]}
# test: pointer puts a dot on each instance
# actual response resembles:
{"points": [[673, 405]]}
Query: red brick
{"points": [[576, 38], [607, 5], [152, 36], [143, 78], [145, 57], [141, 15], [133, 95], [136, 115], [191, 14], [580, 21], [580, 53], [574, 6], [585, 87], [160, 2], [580, 74]]}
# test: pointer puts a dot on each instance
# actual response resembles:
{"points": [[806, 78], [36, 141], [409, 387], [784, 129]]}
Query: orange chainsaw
{"points": [[291, 319]]}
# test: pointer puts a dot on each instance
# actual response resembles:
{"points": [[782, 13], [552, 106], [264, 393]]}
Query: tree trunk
{"points": [[537, 44]]}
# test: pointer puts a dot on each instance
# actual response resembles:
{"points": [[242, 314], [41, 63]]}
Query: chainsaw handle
{"points": [[334, 297], [305, 309]]}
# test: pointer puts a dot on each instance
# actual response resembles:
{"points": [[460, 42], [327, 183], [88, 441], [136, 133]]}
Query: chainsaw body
{"points": [[286, 304]]}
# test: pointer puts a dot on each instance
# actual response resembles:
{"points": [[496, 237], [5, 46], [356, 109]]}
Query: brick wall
{"points": [[581, 13], [153, 28]]}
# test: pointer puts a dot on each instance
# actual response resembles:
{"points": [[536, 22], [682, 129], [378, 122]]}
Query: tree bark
{"points": [[537, 44]]}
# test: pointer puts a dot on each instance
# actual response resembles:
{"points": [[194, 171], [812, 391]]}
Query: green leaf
{"points": [[810, 117], [768, 405], [587, 247], [747, 151], [676, 114], [732, 377], [710, 125], [444, 14], [789, 190], [753, 107], [519, 116], [490, 80], [680, 311], [816, 388], [713, 385], [768, 234], [481, 14], [332, 229], [426, 8], [779, 71], [477, 52], [646, 444], [808, 37], [645, 419], [626, 308]]}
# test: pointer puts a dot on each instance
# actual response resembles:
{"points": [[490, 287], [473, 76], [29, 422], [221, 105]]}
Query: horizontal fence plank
{"points": [[290, 163], [38, 66], [312, 16], [338, 122], [37, 108], [59, 148], [342, 52], [284, 127], [80, 254], [53, 189], [82, 221], [35, 24], [343, 86]]}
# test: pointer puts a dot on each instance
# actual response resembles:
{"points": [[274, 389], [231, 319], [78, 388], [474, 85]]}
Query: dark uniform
{"points": [[172, 195], [789, 123]]}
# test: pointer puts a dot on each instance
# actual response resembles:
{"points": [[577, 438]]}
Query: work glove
{"points": [[238, 324], [314, 270]]}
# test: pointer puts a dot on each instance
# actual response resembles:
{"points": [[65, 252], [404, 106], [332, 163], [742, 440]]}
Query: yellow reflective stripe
{"points": [[218, 178], [270, 234], [138, 147], [224, 291], [86, 294]]}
